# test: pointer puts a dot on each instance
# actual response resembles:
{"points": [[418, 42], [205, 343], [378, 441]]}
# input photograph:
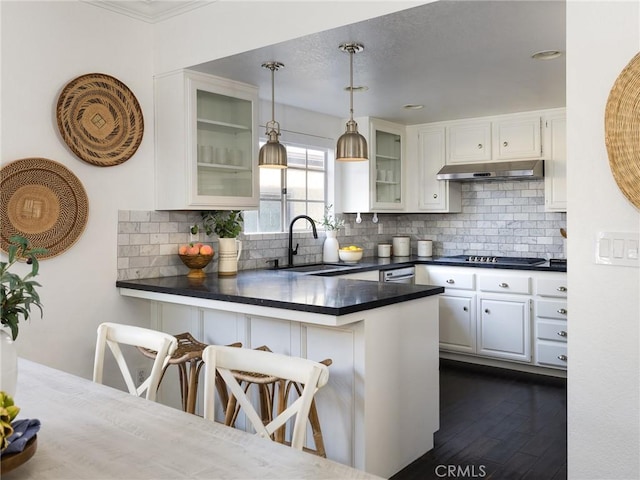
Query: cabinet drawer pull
{"points": [[563, 311], [486, 310], [465, 309], [562, 289], [505, 144], [562, 357], [435, 195], [503, 285], [562, 333], [479, 146], [451, 281]]}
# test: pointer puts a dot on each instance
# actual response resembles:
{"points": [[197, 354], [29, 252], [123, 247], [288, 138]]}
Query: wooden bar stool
{"points": [[267, 398], [189, 352]]}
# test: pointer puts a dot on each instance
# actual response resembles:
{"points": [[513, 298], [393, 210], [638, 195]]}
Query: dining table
{"points": [[91, 431]]}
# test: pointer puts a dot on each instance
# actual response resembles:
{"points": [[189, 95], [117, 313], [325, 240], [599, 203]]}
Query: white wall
{"points": [[604, 371], [44, 46]]}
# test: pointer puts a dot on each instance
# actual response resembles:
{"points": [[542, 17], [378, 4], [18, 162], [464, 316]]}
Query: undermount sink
{"points": [[313, 268]]}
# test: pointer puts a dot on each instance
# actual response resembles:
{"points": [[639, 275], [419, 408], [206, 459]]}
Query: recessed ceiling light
{"points": [[412, 106], [357, 88], [546, 54]]}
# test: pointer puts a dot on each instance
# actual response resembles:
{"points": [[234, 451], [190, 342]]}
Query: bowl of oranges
{"points": [[350, 254], [196, 256]]}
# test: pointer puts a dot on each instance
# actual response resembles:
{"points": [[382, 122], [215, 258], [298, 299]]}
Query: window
{"points": [[300, 189]]}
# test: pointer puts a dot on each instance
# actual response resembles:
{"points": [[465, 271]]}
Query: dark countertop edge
{"points": [[428, 291], [373, 263]]}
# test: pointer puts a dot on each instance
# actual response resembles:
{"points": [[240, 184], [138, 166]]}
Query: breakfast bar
{"points": [[380, 409]]}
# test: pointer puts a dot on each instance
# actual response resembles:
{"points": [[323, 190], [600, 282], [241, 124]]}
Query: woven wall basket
{"points": [[44, 202], [622, 130], [100, 119]]}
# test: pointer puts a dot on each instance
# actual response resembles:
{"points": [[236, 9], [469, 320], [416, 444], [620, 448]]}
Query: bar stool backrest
{"points": [[225, 360], [114, 334]]}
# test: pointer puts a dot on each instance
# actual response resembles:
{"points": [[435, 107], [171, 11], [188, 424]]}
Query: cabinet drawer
{"points": [[552, 287], [549, 330], [505, 283], [552, 354], [550, 309], [451, 279]]}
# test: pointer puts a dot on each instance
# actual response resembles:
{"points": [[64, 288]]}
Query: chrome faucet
{"points": [[291, 252]]}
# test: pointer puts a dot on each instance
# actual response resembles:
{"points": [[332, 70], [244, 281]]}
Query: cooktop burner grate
{"points": [[489, 259]]}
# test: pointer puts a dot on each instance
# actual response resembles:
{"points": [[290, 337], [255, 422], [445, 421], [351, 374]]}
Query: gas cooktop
{"points": [[491, 260]]}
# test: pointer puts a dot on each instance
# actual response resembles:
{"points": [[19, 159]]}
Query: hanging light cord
{"points": [[351, 84], [273, 94]]}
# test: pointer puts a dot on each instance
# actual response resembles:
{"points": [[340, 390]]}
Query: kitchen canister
{"points": [[425, 248], [401, 246], [384, 250]]}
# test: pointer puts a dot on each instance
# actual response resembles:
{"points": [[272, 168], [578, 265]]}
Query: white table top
{"points": [[91, 431]]}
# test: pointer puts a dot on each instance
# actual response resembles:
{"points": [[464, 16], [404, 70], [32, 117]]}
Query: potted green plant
{"points": [[227, 225], [17, 295]]}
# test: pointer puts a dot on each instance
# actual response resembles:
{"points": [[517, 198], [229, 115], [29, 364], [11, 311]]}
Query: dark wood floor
{"points": [[498, 425]]}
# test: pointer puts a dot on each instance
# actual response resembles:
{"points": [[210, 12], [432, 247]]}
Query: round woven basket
{"points": [[42, 201], [100, 119], [622, 130]]}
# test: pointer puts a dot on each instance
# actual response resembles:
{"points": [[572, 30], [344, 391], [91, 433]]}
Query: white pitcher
{"points": [[229, 250]]}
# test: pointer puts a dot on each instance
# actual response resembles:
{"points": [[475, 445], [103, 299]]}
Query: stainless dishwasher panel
{"points": [[398, 275]]}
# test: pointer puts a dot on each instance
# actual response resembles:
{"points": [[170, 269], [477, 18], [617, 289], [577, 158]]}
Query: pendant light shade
{"points": [[351, 146], [273, 154]]}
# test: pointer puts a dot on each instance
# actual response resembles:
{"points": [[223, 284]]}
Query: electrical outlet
{"points": [[141, 376]]}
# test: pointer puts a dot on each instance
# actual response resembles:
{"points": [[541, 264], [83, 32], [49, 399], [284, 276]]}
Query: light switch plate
{"points": [[617, 248]]}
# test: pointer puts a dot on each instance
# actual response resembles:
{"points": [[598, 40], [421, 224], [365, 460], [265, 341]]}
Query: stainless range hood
{"points": [[516, 170]]}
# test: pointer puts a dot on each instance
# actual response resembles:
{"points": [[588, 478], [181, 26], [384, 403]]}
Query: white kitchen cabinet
{"points": [[504, 327], [517, 138], [489, 314], [551, 315], [206, 142], [458, 322], [457, 306], [555, 161], [469, 142], [435, 195], [378, 184]]}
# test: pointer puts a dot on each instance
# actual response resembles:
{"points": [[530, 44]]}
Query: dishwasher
{"points": [[398, 275]]}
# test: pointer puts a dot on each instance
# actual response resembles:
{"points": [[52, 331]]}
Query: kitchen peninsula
{"points": [[381, 406]]}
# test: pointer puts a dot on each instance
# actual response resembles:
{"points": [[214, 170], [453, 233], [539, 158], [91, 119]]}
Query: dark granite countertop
{"points": [[292, 291], [320, 292]]}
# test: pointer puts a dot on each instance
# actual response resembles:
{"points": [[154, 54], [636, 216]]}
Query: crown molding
{"points": [[150, 11]]}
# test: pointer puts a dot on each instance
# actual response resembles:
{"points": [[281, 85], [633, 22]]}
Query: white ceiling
{"points": [[458, 58]]}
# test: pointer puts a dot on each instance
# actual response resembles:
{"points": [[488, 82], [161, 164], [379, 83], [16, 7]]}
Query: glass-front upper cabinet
{"points": [[206, 143], [379, 184], [386, 152]]}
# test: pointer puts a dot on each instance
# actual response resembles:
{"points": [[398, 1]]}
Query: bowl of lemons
{"points": [[350, 254]]}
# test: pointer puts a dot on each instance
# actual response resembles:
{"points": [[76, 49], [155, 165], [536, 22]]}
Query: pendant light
{"points": [[273, 154], [351, 147]]}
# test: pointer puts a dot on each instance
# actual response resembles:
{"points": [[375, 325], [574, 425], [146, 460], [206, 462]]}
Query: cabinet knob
{"points": [[562, 289], [486, 310], [435, 195], [503, 285], [479, 146], [465, 309], [562, 333], [563, 311], [505, 144], [451, 281], [562, 357]]}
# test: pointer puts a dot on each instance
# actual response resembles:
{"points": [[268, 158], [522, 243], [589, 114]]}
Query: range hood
{"points": [[522, 169]]}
